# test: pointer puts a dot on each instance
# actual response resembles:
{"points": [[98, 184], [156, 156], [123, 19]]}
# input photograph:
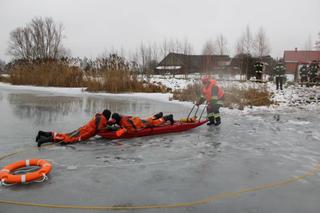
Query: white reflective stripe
{"points": [[5, 170], [27, 162], [23, 178]]}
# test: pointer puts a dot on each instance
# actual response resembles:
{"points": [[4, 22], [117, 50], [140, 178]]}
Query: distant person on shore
{"points": [[133, 124], [279, 73], [303, 71], [214, 96], [90, 129], [313, 72], [258, 68]]}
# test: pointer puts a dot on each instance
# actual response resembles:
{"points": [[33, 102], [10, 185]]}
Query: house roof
{"points": [[194, 61], [300, 56], [238, 60]]}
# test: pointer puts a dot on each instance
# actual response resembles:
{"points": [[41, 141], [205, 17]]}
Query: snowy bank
{"points": [[293, 96], [67, 91]]}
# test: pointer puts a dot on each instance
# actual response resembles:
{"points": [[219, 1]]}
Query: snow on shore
{"points": [[81, 91], [292, 96]]}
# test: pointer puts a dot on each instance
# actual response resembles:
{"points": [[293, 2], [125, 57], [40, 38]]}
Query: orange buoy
{"points": [[6, 176]]}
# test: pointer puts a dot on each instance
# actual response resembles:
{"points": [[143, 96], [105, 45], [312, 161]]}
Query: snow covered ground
{"points": [[292, 96]]}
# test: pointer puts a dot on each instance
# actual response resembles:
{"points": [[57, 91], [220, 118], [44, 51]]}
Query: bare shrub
{"points": [[46, 73], [234, 96], [191, 93], [242, 97], [4, 79], [117, 81]]}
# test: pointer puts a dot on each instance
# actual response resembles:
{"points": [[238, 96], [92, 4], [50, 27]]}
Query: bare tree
{"points": [[155, 51], [221, 45], [176, 46], [209, 48], [2, 65], [244, 44], [147, 56], [244, 47], [187, 47], [143, 56], [308, 44], [164, 48], [248, 40], [240, 46], [172, 46], [133, 58], [41, 38], [261, 44], [152, 59], [317, 43]]}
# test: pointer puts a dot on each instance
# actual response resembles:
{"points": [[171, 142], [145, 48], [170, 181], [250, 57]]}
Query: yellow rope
{"points": [[221, 196]]}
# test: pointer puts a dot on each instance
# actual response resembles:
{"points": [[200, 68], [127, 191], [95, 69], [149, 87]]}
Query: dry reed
{"points": [[234, 96]]}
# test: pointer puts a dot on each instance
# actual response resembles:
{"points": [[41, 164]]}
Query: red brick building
{"points": [[294, 58]]}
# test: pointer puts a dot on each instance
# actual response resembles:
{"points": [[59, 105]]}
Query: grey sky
{"points": [[92, 26]]}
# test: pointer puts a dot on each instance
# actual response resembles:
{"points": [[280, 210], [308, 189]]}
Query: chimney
{"points": [[296, 49]]}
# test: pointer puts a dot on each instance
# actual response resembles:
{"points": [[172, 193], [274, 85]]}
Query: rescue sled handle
{"points": [[195, 114], [191, 111], [205, 106]]}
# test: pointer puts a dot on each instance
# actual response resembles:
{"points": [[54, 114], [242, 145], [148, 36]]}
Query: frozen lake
{"points": [[247, 150]]}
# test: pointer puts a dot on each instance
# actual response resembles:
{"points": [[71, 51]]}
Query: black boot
{"points": [[42, 133], [43, 139], [211, 121], [218, 121], [47, 134], [158, 115], [169, 118]]}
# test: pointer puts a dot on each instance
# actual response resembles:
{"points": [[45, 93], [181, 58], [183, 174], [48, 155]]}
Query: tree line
{"points": [[42, 38]]}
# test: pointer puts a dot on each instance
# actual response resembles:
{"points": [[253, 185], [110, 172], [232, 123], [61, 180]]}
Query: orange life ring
{"points": [[8, 178]]}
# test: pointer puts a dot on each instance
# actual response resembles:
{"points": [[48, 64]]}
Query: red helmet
{"points": [[205, 79]]}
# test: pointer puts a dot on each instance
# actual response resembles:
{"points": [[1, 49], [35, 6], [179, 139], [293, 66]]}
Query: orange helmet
{"points": [[205, 79]]}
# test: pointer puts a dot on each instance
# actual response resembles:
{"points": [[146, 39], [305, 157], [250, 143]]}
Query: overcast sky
{"points": [[93, 26]]}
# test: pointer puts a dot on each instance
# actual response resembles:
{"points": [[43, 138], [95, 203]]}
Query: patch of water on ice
{"points": [[72, 167], [298, 122]]}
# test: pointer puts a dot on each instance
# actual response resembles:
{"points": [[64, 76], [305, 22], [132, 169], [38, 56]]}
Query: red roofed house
{"points": [[294, 58]]}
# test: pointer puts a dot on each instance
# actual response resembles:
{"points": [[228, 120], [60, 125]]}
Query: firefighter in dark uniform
{"points": [[258, 68], [303, 71], [279, 73], [313, 72]]}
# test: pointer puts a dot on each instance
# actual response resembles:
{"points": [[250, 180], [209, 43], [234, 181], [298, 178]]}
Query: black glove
{"points": [[112, 128]]}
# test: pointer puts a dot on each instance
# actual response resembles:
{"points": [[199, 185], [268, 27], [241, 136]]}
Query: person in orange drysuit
{"points": [[214, 95], [132, 124], [98, 122]]}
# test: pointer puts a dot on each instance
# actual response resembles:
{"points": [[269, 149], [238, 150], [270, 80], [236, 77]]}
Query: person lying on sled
{"points": [[132, 124], [90, 129]]}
